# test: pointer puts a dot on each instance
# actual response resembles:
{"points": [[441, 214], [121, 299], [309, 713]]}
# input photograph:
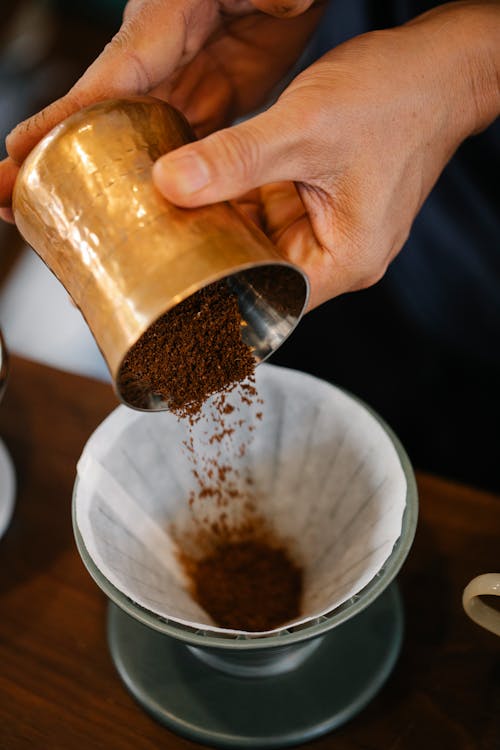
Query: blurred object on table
{"points": [[7, 474], [41, 323]]}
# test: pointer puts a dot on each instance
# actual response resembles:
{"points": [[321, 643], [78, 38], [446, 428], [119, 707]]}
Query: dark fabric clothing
{"points": [[423, 346], [448, 276]]}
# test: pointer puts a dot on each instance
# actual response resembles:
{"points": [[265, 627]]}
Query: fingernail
{"points": [[189, 173]]}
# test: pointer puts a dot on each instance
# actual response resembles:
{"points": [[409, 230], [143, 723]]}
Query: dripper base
{"points": [[197, 701]]}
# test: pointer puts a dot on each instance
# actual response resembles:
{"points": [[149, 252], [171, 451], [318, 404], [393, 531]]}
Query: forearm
{"points": [[467, 35]]}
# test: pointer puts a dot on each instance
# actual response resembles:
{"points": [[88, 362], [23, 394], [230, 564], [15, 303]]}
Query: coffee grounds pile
{"points": [[248, 585], [192, 352]]}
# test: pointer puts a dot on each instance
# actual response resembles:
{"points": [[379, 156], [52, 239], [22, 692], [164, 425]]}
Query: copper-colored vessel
{"points": [[85, 201]]}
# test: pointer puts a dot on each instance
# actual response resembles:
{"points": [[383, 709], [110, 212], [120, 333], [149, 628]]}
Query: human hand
{"points": [[213, 60], [353, 147]]}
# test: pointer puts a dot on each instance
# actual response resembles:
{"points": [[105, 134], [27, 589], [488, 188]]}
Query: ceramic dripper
{"points": [[334, 490], [85, 201]]}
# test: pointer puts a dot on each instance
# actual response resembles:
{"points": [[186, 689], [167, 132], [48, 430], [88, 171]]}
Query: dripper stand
{"points": [[226, 688], [274, 692]]}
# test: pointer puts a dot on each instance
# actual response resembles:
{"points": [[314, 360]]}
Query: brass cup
{"points": [[85, 201]]}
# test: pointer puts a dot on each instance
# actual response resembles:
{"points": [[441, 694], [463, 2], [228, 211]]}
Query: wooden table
{"points": [[58, 687]]}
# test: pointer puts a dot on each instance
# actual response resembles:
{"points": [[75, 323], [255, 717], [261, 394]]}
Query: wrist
{"points": [[465, 37]]}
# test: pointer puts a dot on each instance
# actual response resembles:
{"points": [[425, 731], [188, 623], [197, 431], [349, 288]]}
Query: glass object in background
{"points": [[7, 475]]}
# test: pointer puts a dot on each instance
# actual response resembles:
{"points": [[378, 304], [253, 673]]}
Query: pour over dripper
{"points": [[194, 676]]}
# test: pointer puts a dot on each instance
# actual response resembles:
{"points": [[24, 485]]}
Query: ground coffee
{"points": [[241, 573], [192, 352], [248, 585]]}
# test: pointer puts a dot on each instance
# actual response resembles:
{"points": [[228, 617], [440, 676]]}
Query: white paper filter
{"points": [[326, 477]]}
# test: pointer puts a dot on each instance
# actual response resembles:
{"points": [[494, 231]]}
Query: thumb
{"points": [[153, 41], [233, 161]]}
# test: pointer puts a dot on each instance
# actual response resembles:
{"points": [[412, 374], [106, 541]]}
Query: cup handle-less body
{"points": [[479, 611], [85, 200]]}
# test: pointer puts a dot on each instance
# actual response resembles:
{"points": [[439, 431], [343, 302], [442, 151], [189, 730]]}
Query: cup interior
{"points": [[272, 298]]}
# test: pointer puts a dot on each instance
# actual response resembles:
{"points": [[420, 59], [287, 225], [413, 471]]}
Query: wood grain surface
{"points": [[58, 687]]}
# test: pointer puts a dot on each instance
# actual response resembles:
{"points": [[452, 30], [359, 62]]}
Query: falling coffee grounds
{"points": [[192, 352], [248, 585]]}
